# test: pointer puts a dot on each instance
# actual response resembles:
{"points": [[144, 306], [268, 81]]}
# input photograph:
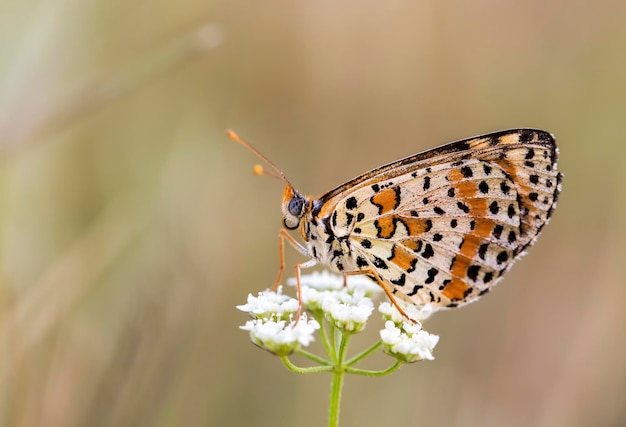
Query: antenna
{"points": [[258, 169]]}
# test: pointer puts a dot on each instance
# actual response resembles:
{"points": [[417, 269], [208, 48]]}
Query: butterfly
{"points": [[440, 227]]}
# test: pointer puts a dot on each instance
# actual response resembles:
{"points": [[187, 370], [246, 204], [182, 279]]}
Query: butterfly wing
{"points": [[444, 225]]}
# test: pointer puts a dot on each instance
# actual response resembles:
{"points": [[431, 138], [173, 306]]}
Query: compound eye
{"points": [[296, 204]]}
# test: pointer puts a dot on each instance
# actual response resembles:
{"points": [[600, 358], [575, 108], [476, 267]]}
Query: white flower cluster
{"points": [[270, 304], [348, 312], [273, 327], [279, 336], [346, 307], [325, 281], [403, 339]]}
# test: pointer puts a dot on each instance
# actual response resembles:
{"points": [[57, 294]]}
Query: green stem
{"points": [[343, 348], [368, 373], [363, 354], [299, 370], [336, 385], [335, 398], [313, 357], [329, 346], [332, 341]]}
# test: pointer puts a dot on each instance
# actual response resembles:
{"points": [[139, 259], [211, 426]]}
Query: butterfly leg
{"points": [[282, 235], [309, 263], [390, 295]]}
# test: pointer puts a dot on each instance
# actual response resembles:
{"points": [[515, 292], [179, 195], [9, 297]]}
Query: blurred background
{"points": [[131, 226]]}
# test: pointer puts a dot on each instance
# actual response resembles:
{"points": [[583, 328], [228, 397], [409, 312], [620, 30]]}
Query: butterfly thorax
{"points": [[329, 246]]}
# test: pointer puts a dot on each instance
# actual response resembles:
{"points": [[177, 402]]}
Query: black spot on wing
{"points": [[428, 251], [462, 146], [426, 183], [431, 275], [526, 135], [349, 218], [482, 250], [497, 231], [472, 272], [379, 263], [351, 203], [512, 236], [505, 188], [415, 289], [511, 211], [400, 281], [361, 262]]}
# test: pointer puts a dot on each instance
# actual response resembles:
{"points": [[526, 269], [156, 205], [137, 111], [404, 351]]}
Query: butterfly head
{"points": [[294, 207]]}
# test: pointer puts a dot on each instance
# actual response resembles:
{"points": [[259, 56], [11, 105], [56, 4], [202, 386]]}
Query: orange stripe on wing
{"points": [[483, 227], [412, 244], [478, 207], [455, 290], [386, 226], [459, 266], [416, 226], [466, 189], [455, 175], [386, 200], [403, 259], [467, 252]]}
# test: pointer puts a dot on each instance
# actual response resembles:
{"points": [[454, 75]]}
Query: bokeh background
{"points": [[131, 226]]}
